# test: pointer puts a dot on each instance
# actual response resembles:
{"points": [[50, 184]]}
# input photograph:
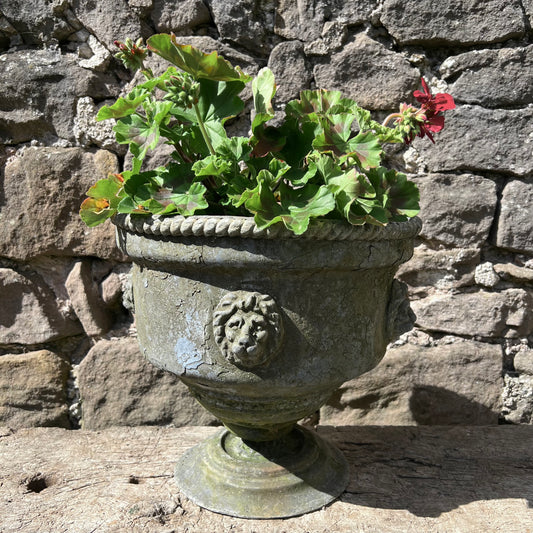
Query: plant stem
{"points": [[390, 117], [203, 130]]}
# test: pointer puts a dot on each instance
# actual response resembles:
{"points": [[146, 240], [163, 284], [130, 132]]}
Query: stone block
{"points": [[458, 383], [453, 22], [476, 138], [510, 272], [528, 8], [376, 89], [442, 269], [248, 23], [118, 387], [29, 313], [33, 390], [108, 21], [40, 89], [90, 132], [523, 361], [90, 309], [36, 21], [457, 210], [302, 20], [486, 314], [287, 62], [491, 78], [515, 223], [518, 399], [168, 18], [42, 192]]}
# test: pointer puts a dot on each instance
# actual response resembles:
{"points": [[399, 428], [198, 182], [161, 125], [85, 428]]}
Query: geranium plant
{"points": [[322, 160]]}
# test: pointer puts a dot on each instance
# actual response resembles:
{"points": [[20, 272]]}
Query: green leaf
{"points": [[403, 195], [211, 165], [193, 61], [354, 195], [140, 133], [295, 208], [313, 104], [336, 132], [267, 140], [367, 148], [220, 101], [171, 190], [123, 106], [130, 103], [263, 90], [186, 198], [337, 137], [103, 199]]}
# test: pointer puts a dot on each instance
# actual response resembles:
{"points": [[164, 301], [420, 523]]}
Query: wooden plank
{"points": [[434, 479]]}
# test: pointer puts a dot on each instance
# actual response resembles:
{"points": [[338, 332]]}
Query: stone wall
{"points": [[68, 354]]}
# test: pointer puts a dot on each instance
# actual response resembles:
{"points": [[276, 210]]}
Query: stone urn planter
{"points": [[263, 326]]}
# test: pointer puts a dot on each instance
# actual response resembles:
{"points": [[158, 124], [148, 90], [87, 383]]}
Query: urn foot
{"points": [[295, 474]]}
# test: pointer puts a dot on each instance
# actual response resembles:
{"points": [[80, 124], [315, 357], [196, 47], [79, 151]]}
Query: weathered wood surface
{"points": [[420, 479]]}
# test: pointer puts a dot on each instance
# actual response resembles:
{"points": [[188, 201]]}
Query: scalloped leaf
{"points": [[103, 199], [295, 208], [197, 63], [171, 190], [263, 90]]}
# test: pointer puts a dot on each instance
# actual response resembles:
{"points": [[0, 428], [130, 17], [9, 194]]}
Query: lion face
{"points": [[247, 328], [247, 336]]}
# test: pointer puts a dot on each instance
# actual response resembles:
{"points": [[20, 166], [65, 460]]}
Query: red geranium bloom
{"points": [[436, 103], [433, 106]]}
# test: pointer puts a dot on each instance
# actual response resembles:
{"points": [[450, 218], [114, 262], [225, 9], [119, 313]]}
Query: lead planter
{"points": [[263, 327]]}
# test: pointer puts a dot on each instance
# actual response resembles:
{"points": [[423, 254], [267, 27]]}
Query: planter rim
{"points": [[245, 227]]}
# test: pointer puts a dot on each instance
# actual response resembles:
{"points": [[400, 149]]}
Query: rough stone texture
{"points": [[523, 361], [457, 383], [515, 223], [118, 387], [377, 89], [510, 272], [503, 144], [287, 62], [36, 21], [442, 269], [491, 78], [518, 399], [111, 288], [308, 20], [456, 210], [33, 390], [42, 192], [108, 21], [40, 90], [402, 480], [486, 276], [253, 31], [29, 313], [528, 8], [485, 314], [300, 20], [168, 16], [94, 316], [453, 22], [88, 132]]}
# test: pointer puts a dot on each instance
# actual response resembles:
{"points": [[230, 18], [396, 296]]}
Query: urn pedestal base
{"points": [[295, 474]]}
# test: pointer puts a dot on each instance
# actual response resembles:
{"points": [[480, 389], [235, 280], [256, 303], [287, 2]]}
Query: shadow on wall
{"points": [[438, 406]]}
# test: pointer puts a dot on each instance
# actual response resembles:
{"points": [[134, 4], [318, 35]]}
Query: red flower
{"points": [[432, 106]]}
